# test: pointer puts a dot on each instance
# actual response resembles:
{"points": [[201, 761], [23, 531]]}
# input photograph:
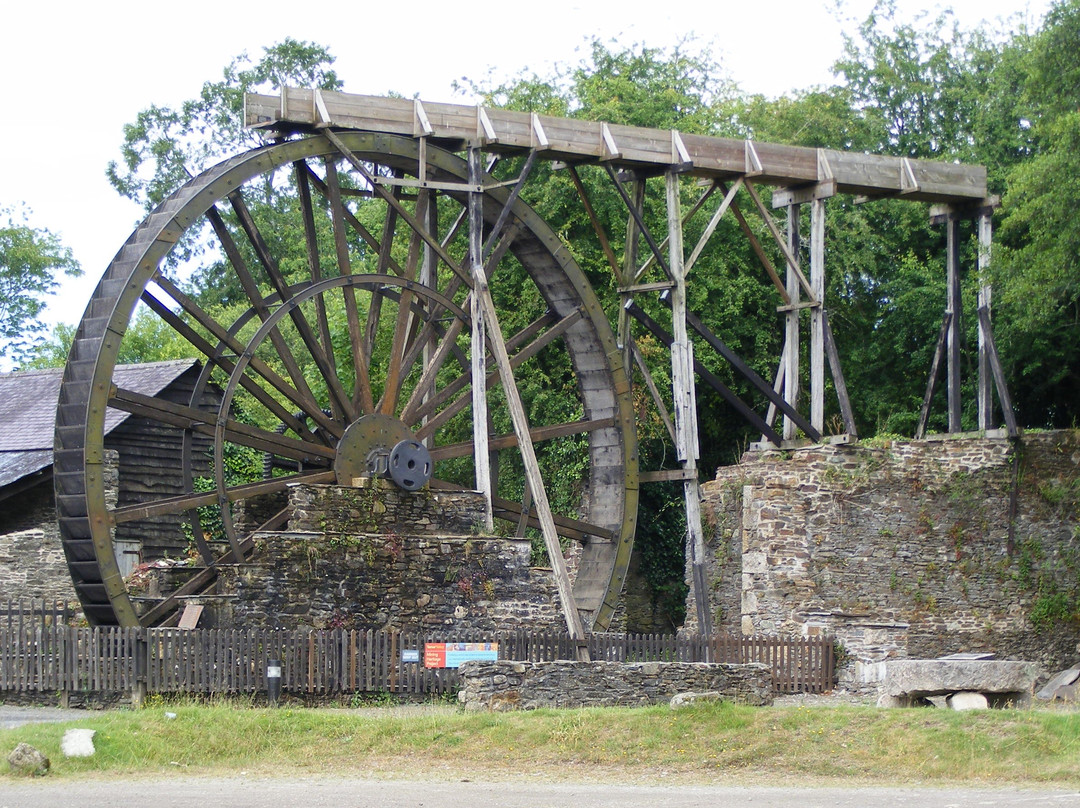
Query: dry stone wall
{"points": [[382, 558], [32, 564], [907, 549], [506, 685], [32, 561]]}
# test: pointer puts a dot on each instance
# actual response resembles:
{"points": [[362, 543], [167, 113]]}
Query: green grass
{"points": [[701, 744]]}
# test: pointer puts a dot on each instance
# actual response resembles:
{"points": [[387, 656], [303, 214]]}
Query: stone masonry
{"points": [[506, 685], [32, 564], [382, 558], [902, 549]]}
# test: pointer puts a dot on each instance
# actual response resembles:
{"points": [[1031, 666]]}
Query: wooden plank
{"points": [[953, 306], [478, 344], [999, 375], [791, 319], [817, 330], [189, 618], [985, 396]]}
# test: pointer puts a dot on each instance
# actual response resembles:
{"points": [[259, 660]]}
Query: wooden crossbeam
{"points": [[623, 146]]}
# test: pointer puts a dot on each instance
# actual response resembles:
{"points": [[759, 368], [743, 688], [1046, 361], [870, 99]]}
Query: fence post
{"points": [[139, 648]]}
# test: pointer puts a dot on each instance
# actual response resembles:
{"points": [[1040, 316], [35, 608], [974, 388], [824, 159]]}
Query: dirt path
{"points": [[243, 792]]}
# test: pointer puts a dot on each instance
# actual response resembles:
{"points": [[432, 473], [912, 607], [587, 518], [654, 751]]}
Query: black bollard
{"points": [[273, 681]]}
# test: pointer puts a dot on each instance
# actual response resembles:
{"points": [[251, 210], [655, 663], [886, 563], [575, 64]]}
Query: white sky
{"points": [[75, 72]]}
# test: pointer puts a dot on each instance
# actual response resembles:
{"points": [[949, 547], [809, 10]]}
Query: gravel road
{"points": [[359, 793]]}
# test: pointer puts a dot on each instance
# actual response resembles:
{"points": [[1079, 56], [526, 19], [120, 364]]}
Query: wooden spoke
{"points": [[196, 420], [311, 242], [255, 297], [132, 513], [459, 384], [401, 325], [362, 395], [504, 214], [296, 314], [493, 379], [536, 434], [351, 219], [392, 201], [449, 340], [422, 339], [226, 363]]}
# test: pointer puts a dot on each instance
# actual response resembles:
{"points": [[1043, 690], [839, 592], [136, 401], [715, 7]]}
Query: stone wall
{"points": [[907, 549], [506, 685], [382, 558], [32, 561]]}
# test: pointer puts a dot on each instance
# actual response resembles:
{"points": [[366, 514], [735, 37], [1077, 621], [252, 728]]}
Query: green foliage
{"points": [[661, 539], [31, 261], [907, 80], [165, 146]]}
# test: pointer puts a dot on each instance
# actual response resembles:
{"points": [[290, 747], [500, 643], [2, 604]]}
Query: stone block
{"points": [[26, 759], [1008, 681]]}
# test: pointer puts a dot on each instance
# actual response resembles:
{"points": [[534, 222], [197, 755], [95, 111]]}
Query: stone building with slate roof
{"points": [[146, 458]]}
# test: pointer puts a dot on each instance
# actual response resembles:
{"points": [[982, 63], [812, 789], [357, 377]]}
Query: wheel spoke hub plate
{"points": [[364, 450]]}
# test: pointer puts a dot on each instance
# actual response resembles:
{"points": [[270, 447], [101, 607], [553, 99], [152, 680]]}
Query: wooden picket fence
{"points": [[54, 657], [27, 612]]}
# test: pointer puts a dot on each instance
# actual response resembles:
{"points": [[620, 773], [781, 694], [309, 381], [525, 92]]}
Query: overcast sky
{"points": [[76, 72]]}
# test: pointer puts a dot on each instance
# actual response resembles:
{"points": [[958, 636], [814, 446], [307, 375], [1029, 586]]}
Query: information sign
{"points": [[453, 654]]}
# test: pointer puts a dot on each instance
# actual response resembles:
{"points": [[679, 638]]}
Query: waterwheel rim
{"points": [[573, 323]]}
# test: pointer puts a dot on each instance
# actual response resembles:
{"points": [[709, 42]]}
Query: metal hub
{"points": [[364, 450]]}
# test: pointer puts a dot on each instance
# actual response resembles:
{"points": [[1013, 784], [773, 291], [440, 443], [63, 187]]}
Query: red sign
{"points": [[453, 654]]}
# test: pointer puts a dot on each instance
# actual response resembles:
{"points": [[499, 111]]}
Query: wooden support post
{"points": [[986, 399], [482, 294], [630, 258], [952, 308], [791, 324], [931, 385], [778, 385], [838, 377], [429, 277], [138, 686], [685, 398], [478, 348], [999, 376], [817, 314]]}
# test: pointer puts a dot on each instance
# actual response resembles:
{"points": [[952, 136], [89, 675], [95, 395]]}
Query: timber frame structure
{"points": [[406, 149]]}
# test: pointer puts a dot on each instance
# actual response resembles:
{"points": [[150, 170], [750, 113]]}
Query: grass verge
{"points": [[705, 743]]}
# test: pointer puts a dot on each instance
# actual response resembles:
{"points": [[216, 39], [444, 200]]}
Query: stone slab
{"points": [[940, 677], [1063, 679]]}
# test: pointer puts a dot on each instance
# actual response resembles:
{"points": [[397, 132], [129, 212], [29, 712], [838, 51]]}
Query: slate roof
{"points": [[28, 410]]}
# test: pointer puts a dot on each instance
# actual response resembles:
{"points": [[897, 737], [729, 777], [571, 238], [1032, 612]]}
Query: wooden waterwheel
{"points": [[344, 333]]}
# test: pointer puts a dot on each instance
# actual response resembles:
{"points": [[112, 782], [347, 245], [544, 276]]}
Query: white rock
{"points": [[968, 701], [680, 700], [78, 743]]}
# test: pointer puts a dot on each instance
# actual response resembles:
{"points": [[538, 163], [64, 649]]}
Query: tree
{"points": [[1036, 268], [30, 261], [906, 80], [165, 146]]}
